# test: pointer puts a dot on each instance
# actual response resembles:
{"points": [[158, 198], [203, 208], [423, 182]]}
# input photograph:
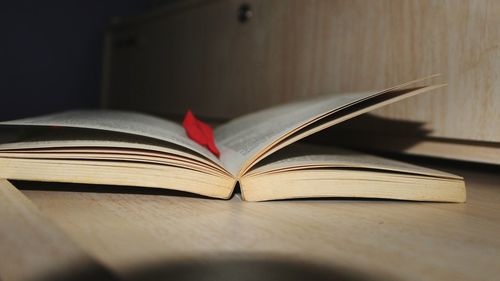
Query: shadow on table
{"points": [[217, 267], [247, 269]]}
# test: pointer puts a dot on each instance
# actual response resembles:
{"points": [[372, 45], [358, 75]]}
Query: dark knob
{"points": [[245, 13]]}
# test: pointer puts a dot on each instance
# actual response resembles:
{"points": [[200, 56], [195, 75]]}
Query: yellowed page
{"points": [[113, 154], [117, 173], [303, 156], [246, 140], [245, 137], [310, 171], [332, 119], [317, 183], [120, 122], [84, 141]]}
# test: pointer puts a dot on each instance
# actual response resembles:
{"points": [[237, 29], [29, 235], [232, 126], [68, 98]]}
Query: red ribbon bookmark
{"points": [[200, 132]]}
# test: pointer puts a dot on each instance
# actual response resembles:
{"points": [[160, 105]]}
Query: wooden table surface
{"points": [[142, 233]]}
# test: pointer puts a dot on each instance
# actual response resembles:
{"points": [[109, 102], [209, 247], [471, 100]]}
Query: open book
{"points": [[258, 150]]}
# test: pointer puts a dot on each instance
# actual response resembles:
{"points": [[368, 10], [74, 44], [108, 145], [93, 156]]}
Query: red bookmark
{"points": [[200, 132]]}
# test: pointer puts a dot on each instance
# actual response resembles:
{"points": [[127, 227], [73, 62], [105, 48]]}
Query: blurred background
{"points": [[52, 51], [226, 58]]}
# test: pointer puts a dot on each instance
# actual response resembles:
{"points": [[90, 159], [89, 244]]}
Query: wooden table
{"points": [[143, 233]]}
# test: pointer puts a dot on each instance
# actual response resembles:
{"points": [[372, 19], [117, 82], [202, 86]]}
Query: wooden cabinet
{"points": [[198, 55]]}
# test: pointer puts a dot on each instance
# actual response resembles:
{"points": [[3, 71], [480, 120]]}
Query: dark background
{"points": [[51, 53]]}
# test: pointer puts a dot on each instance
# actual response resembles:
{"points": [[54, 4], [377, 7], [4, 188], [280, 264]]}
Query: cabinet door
{"points": [[201, 56]]}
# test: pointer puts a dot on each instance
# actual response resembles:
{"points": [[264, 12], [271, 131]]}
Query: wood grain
{"points": [[386, 240], [203, 58], [32, 248]]}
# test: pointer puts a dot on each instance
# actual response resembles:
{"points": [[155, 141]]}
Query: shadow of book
{"points": [[100, 188], [368, 130]]}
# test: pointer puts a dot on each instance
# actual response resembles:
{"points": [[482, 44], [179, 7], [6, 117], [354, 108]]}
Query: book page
{"points": [[246, 136], [349, 112], [309, 171], [118, 121], [304, 156], [250, 138], [61, 139]]}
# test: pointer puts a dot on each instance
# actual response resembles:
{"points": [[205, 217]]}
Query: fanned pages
{"points": [[299, 171], [125, 148]]}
